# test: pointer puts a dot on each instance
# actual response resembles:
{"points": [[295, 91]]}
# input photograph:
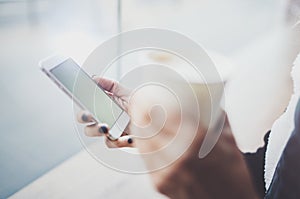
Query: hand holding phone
{"points": [[100, 104], [121, 96]]}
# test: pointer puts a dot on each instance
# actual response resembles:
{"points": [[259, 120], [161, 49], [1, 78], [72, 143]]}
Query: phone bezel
{"points": [[51, 62]]}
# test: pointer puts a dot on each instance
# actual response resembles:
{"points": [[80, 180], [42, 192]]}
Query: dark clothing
{"points": [[256, 165], [286, 179]]}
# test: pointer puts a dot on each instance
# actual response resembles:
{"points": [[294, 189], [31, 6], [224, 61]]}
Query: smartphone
{"points": [[80, 87]]}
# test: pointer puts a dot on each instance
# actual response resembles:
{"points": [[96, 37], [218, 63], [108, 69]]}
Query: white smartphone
{"points": [[78, 85]]}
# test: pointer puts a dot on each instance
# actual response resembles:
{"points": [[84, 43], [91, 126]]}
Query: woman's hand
{"points": [[92, 129], [223, 173]]}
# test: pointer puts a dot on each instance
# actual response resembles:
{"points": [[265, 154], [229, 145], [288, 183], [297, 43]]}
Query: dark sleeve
{"points": [[286, 180], [256, 165]]}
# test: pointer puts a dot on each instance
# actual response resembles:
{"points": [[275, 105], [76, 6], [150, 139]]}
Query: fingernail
{"points": [[130, 140], [103, 129], [85, 118], [93, 76]]}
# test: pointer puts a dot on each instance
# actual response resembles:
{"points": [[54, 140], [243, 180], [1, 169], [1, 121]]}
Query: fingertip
{"points": [[130, 140], [84, 117], [125, 141], [103, 128], [95, 78]]}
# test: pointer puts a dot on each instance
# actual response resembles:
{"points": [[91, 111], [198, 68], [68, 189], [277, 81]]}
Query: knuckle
{"points": [[109, 143], [91, 131], [86, 131]]}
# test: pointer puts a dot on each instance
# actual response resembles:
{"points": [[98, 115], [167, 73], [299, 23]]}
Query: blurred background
{"points": [[37, 123]]}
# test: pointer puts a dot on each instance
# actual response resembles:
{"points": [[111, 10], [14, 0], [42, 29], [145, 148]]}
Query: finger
{"points": [[84, 117], [119, 93], [96, 130], [107, 84], [124, 141]]}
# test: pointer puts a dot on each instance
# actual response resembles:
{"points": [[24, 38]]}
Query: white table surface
{"points": [[82, 176]]}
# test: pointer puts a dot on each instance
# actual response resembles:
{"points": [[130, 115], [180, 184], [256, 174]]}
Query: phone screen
{"points": [[87, 92]]}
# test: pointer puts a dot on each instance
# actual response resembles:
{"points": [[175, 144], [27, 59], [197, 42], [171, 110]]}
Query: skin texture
{"points": [[221, 174]]}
